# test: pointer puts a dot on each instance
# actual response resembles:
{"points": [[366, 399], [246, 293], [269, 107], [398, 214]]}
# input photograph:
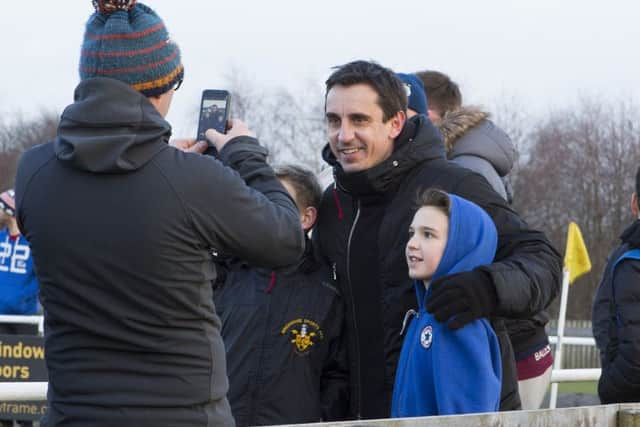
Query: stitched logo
{"points": [[303, 334]]}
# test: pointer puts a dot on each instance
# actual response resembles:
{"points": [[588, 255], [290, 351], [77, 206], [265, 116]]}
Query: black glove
{"points": [[463, 297]]}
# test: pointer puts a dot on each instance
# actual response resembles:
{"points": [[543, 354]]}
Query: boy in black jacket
{"points": [[282, 331], [616, 318]]}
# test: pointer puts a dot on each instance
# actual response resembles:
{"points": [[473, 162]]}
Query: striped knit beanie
{"points": [[8, 202], [128, 41]]}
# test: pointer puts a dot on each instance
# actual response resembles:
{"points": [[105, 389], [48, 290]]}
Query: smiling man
{"points": [[381, 160]]}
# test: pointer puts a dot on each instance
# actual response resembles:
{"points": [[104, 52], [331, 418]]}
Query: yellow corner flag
{"points": [[576, 257]]}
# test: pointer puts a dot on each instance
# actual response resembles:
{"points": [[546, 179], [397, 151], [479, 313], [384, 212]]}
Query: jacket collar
{"points": [[631, 235]]}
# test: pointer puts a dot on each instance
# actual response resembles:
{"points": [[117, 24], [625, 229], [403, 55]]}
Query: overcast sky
{"points": [[546, 53]]}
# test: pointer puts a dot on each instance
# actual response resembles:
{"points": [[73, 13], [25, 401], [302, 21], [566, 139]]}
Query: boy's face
{"points": [[428, 234], [292, 192]]}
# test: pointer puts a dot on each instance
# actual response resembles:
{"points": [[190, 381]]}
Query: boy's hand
{"points": [[461, 298]]}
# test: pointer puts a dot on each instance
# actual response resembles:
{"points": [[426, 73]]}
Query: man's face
{"points": [[428, 235], [358, 137]]}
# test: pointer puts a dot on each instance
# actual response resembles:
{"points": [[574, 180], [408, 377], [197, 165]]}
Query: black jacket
{"points": [[363, 230], [282, 332], [616, 325], [121, 226]]}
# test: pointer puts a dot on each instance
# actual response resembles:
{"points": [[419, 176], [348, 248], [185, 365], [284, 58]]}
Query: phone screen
{"points": [[214, 112]]}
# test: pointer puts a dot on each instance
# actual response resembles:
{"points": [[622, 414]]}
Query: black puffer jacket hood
{"points": [[130, 128]]}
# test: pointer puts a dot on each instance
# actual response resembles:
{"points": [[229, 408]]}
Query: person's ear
{"points": [[433, 116], [635, 209], [308, 217], [397, 123]]}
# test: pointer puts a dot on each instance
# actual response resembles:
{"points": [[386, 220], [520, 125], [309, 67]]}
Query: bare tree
{"points": [[289, 123], [581, 168], [17, 135]]}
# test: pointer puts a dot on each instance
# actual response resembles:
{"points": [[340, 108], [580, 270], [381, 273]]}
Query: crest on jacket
{"points": [[303, 334], [426, 336]]}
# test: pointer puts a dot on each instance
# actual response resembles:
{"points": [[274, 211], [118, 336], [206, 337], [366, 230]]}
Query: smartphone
{"points": [[214, 112]]}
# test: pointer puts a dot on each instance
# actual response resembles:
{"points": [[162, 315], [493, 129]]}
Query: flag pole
{"points": [[557, 362]]}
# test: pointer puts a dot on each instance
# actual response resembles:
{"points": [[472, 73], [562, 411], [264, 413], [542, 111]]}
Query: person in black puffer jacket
{"points": [[380, 161], [616, 316]]}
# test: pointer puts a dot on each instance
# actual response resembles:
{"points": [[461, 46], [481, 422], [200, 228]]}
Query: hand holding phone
{"points": [[214, 113], [236, 128]]}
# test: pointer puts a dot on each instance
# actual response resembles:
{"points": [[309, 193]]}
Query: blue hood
{"points": [[441, 371], [472, 241]]}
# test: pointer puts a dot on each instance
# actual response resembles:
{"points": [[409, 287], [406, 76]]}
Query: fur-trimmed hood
{"points": [[468, 131]]}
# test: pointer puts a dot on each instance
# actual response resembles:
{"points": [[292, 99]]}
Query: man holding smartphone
{"points": [[122, 225]]}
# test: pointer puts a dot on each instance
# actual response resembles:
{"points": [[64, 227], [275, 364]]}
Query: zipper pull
{"points": [[333, 268], [407, 316]]}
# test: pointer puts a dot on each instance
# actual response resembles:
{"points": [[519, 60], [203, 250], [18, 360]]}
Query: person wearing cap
{"points": [[123, 224], [18, 283], [416, 97]]}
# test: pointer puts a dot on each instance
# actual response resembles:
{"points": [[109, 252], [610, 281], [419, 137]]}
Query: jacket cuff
{"points": [[241, 144]]}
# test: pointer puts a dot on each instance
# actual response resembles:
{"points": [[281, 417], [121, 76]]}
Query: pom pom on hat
{"points": [[109, 6], [415, 92], [127, 41]]}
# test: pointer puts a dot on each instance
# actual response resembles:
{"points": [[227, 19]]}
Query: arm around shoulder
{"points": [[527, 269]]}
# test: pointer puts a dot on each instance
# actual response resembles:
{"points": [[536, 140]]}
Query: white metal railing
{"points": [[586, 341], [17, 392], [24, 320]]}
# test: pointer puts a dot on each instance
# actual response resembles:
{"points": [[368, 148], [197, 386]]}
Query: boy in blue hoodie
{"points": [[443, 371], [18, 283]]}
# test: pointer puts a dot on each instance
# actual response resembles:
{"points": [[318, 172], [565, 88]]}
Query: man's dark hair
{"points": [[443, 93], [392, 96], [435, 198], [308, 191]]}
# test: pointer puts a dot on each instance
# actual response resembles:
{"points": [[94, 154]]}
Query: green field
{"points": [[586, 387]]}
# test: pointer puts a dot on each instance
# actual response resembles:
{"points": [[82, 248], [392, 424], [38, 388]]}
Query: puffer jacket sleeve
{"points": [[526, 271], [241, 208], [620, 379]]}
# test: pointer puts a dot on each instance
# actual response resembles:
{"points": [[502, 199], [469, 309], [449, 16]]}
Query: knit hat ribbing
{"points": [[128, 41], [415, 92]]}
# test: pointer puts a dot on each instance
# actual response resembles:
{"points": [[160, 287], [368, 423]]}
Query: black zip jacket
{"points": [[363, 230], [121, 226], [282, 331], [616, 325]]}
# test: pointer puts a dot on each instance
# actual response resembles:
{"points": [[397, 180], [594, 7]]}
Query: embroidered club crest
{"points": [[426, 336], [303, 334]]}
